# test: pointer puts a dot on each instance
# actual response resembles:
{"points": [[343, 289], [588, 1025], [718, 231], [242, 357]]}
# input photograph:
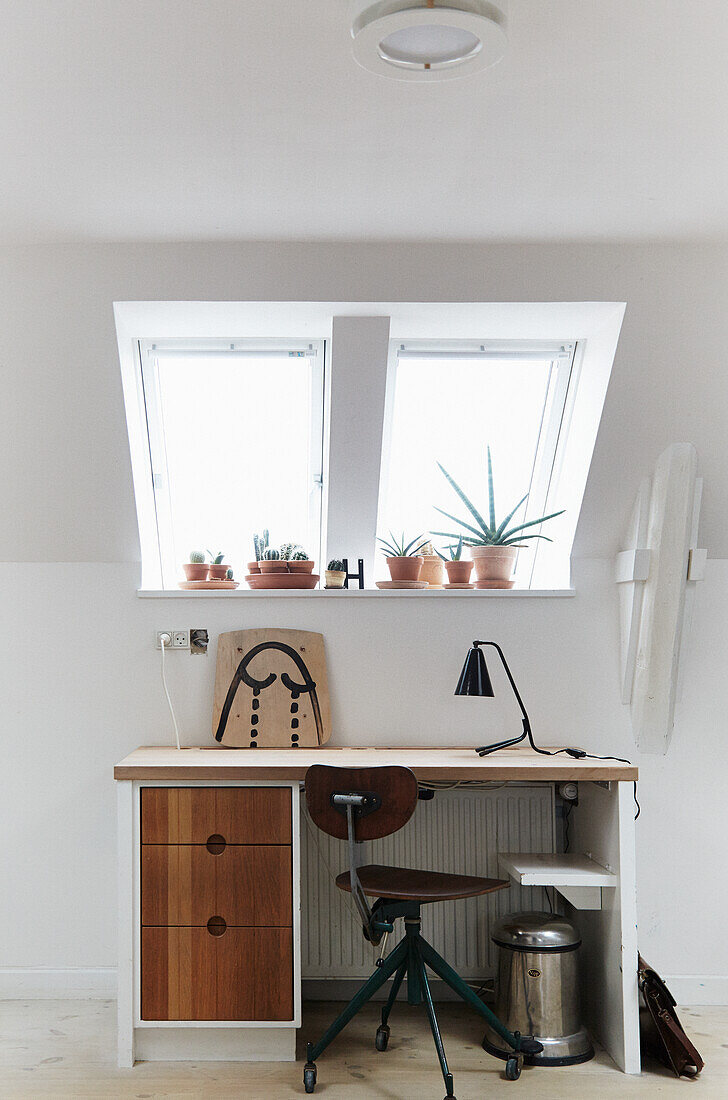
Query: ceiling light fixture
{"points": [[428, 40]]}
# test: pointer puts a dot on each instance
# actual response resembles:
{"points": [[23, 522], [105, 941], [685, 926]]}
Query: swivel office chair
{"points": [[358, 804]]}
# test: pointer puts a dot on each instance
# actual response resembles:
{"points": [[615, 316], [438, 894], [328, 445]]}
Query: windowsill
{"points": [[356, 593]]}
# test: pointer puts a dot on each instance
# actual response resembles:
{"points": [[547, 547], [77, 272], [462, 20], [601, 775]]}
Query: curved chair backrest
{"points": [[395, 789]]}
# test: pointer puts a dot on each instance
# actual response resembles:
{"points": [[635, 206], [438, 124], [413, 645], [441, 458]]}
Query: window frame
{"points": [[558, 402], [148, 351]]}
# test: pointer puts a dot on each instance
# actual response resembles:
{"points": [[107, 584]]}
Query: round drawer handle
{"points": [[216, 926], [215, 844]]}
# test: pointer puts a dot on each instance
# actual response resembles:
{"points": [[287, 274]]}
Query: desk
{"points": [[602, 829]]}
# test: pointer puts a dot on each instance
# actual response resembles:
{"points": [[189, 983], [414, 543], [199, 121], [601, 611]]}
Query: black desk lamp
{"points": [[474, 680]]}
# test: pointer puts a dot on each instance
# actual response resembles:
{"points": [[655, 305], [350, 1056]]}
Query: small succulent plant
{"points": [[287, 549], [197, 557], [216, 559], [397, 548], [271, 554], [455, 552], [336, 565], [299, 554], [229, 575]]}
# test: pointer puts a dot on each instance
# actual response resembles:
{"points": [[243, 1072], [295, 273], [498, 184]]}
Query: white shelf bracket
{"points": [[582, 897]]}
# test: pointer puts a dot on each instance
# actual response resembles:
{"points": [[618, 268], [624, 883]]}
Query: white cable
{"points": [[164, 640]]}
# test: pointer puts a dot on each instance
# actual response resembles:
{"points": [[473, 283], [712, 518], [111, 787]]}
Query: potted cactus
{"points": [[403, 557], [299, 561], [217, 569], [493, 545], [458, 571], [271, 561], [260, 542], [335, 574], [196, 568]]}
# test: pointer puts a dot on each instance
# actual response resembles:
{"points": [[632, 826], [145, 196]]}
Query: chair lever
{"points": [[383, 948]]}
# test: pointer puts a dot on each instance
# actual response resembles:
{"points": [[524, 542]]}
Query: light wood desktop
{"points": [[158, 1016]]}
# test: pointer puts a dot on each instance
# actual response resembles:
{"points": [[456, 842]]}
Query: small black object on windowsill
{"points": [[358, 576], [475, 680]]}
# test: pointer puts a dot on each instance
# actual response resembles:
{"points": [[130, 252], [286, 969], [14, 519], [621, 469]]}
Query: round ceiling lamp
{"points": [[428, 40]]}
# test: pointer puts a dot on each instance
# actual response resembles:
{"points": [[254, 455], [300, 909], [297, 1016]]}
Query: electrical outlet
{"points": [[180, 639]]}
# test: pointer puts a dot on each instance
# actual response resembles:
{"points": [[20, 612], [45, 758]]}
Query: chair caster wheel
{"points": [[309, 1077], [513, 1067], [382, 1037]]}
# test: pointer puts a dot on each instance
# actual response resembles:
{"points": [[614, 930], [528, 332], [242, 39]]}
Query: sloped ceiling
{"points": [[249, 119]]}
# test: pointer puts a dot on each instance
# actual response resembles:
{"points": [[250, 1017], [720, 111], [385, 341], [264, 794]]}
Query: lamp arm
{"points": [[512, 682], [486, 750]]}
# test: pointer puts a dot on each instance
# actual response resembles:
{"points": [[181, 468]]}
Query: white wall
{"points": [[79, 679]]}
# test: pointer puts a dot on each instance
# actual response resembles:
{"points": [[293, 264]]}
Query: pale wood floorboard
{"points": [[66, 1049]]}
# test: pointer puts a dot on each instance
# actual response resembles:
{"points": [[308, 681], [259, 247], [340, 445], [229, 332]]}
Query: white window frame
{"points": [[561, 356], [357, 336], [149, 352]]}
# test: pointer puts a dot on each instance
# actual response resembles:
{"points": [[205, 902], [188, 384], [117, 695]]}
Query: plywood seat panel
{"points": [[411, 885]]}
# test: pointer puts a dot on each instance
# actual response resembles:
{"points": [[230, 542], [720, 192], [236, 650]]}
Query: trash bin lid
{"points": [[535, 932]]}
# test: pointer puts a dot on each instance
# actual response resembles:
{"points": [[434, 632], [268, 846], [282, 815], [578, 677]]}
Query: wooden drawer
{"points": [[186, 884], [191, 974], [240, 815]]}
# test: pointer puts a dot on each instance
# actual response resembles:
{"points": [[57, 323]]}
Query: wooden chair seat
{"points": [[406, 884]]}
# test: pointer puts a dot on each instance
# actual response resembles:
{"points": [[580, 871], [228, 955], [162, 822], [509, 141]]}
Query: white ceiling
{"points": [[241, 119]]}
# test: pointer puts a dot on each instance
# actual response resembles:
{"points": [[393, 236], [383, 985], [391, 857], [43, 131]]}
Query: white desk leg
{"points": [[125, 996], [604, 827]]}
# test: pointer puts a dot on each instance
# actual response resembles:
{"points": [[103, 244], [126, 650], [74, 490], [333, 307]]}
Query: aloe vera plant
{"points": [[398, 549], [455, 553], [216, 559], [492, 533]]}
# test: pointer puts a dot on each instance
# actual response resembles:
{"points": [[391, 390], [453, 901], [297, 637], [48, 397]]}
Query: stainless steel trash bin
{"points": [[537, 989]]}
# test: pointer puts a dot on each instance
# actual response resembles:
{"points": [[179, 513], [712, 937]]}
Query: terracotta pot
{"points": [[195, 571], [335, 578], [217, 572], [405, 569], [433, 570], [300, 566], [253, 567], [458, 572], [273, 566], [494, 565]]}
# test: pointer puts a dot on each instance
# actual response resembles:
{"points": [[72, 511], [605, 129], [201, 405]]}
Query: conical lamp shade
{"points": [[474, 679]]}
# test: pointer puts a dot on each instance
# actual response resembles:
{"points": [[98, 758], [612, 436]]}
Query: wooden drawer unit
{"points": [[192, 974], [247, 885], [216, 903], [240, 815]]}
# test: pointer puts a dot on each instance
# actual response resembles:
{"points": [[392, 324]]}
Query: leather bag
{"points": [[661, 1032]]}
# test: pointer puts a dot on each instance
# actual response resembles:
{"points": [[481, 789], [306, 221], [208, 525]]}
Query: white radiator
{"points": [[460, 831]]}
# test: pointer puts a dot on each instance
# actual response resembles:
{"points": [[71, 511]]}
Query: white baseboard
{"points": [[698, 989], [82, 983], [41, 983]]}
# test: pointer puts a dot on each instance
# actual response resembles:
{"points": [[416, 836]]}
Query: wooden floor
{"points": [[65, 1049]]}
